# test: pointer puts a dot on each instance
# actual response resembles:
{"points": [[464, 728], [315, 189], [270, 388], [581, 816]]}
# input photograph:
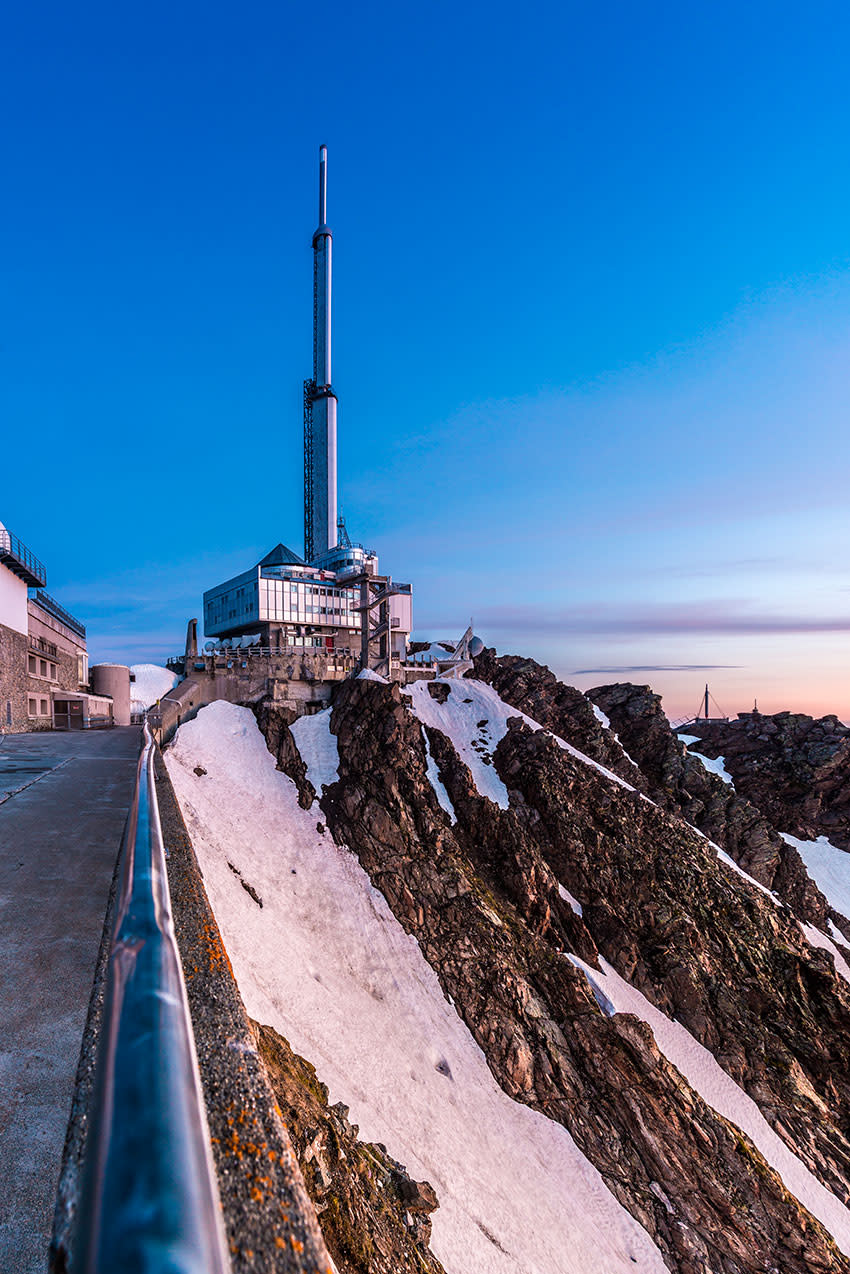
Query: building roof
{"points": [[280, 555]]}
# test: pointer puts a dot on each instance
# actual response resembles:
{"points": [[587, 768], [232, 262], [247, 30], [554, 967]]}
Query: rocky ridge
{"points": [[680, 782], [483, 899], [794, 768]]}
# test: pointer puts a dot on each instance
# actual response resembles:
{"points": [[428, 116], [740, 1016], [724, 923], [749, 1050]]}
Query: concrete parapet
{"points": [[296, 677]]}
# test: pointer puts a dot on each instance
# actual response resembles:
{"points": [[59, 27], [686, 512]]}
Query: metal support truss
{"points": [[309, 398]]}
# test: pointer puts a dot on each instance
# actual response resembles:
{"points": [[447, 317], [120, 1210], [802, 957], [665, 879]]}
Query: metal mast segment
{"points": [[320, 478]]}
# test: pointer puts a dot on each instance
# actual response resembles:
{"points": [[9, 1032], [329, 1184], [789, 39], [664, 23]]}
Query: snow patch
{"points": [[475, 718], [318, 748], [367, 674], [600, 716], [436, 782], [567, 897], [714, 766], [327, 965], [836, 934], [829, 868], [689, 738], [152, 682], [720, 1091]]}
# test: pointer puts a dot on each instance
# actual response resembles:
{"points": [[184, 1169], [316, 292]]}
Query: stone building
{"points": [[43, 657]]}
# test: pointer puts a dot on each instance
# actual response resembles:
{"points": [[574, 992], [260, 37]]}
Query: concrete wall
{"points": [[245, 686], [13, 601]]}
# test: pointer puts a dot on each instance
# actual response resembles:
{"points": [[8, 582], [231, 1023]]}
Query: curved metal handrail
{"points": [[149, 1198]]}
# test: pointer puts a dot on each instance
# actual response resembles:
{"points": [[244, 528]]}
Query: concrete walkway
{"points": [[63, 802]]}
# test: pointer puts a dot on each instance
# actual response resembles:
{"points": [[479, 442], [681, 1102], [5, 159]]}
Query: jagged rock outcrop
{"points": [[534, 689], [681, 783], [482, 899], [274, 720], [375, 1219], [794, 768]]}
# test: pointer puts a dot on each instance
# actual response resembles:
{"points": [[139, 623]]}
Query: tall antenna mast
{"points": [[320, 494]]}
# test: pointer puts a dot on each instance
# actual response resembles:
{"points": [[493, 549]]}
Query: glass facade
{"points": [[232, 605], [294, 601], [279, 595]]}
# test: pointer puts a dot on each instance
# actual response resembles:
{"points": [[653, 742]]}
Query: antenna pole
{"points": [[706, 701], [320, 492]]}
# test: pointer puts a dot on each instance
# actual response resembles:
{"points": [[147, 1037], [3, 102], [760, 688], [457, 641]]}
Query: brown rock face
{"points": [[374, 1218], [533, 688], [482, 899], [274, 721], [794, 768], [681, 783]]}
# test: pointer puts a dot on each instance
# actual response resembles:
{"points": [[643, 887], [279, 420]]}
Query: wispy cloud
{"points": [[592, 672], [709, 618]]}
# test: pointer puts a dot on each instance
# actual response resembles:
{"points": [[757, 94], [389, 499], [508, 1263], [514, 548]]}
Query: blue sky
{"points": [[592, 320]]}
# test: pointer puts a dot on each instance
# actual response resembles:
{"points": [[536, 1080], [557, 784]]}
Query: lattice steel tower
{"points": [[320, 517]]}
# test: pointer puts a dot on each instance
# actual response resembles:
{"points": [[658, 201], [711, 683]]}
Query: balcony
{"points": [[17, 558]]}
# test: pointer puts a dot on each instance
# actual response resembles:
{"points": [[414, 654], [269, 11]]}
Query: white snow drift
{"points": [[326, 963], [151, 683]]}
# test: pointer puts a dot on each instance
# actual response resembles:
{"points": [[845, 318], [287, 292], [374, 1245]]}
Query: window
{"points": [[44, 710], [43, 667], [32, 664], [32, 708]]}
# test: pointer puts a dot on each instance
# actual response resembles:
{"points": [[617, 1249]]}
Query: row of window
{"points": [[286, 600], [307, 603], [38, 707], [41, 667]]}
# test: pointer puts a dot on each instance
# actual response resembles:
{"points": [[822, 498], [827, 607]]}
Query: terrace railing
{"points": [[15, 554]]}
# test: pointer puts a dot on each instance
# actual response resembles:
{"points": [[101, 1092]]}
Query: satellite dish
{"points": [[476, 645], [209, 646]]}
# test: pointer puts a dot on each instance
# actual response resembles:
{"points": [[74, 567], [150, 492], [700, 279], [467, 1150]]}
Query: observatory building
{"points": [[334, 598]]}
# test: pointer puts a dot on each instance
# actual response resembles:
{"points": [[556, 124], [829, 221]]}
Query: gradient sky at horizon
{"points": [[591, 328]]}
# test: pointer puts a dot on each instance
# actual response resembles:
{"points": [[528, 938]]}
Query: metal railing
{"points": [[149, 1199], [11, 547], [59, 612]]}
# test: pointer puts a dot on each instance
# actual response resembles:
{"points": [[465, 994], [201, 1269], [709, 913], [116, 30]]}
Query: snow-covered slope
{"points": [[327, 964], [151, 683]]}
